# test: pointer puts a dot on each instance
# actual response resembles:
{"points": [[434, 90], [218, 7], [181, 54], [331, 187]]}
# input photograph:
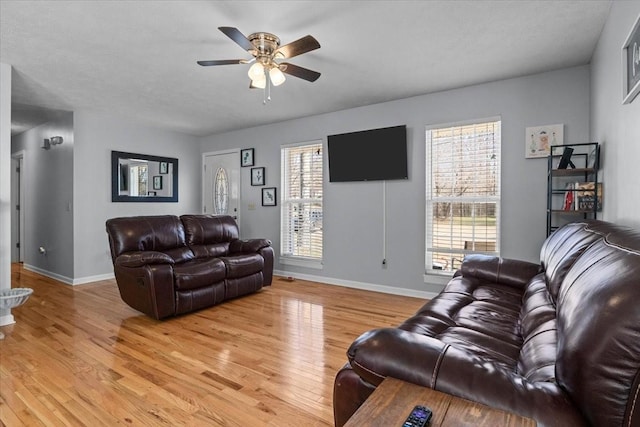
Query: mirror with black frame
{"points": [[143, 178]]}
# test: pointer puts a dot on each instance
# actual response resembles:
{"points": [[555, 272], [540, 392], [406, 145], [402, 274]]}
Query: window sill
{"points": [[302, 262]]}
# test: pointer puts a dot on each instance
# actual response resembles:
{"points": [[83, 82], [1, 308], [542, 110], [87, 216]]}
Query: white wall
{"points": [[353, 211], [5, 186], [95, 137], [48, 197], [615, 125]]}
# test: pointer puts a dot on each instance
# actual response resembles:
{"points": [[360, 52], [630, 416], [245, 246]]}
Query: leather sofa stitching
{"points": [[633, 406], [382, 377], [436, 368]]}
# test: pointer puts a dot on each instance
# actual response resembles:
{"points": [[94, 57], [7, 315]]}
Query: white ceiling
{"points": [[137, 59]]}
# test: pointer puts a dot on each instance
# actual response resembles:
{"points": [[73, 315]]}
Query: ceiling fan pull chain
{"points": [[268, 86]]}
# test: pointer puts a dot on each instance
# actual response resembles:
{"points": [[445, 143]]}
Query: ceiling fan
{"points": [[266, 51]]}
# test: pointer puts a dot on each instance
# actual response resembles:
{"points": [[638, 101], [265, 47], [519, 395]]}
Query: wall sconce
{"points": [[54, 140]]}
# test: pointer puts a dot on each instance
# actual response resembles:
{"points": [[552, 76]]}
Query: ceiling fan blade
{"points": [[235, 35], [300, 72], [222, 62], [298, 47]]}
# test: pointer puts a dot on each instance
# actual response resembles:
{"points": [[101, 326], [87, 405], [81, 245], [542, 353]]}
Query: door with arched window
{"points": [[221, 184]]}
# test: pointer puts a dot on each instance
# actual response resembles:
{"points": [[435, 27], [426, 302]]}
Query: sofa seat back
{"points": [[598, 361], [163, 233], [561, 249], [208, 235]]}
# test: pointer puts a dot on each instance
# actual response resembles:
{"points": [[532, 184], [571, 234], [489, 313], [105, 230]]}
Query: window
{"points": [[301, 211], [463, 193]]}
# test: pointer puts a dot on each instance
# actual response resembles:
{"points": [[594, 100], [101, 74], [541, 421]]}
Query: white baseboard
{"points": [[60, 278], [68, 280], [359, 285], [97, 278]]}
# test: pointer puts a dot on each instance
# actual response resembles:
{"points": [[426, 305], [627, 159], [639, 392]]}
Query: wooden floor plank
{"points": [[80, 356]]}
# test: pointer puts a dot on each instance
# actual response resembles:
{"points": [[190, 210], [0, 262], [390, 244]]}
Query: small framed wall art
{"points": [[257, 176], [164, 167], [157, 182], [631, 64], [538, 139], [269, 196], [246, 157]]}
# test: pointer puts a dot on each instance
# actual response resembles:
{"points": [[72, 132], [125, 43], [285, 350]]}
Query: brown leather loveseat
{"points": [[165, 265], [558, 342]]}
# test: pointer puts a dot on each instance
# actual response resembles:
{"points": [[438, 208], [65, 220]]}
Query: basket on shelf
{"points": [[10, 298]]}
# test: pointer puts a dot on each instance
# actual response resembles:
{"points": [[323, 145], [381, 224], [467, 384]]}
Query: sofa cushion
{"points": [[198, 273], [538, 325], [243, 265], [210, 235]]}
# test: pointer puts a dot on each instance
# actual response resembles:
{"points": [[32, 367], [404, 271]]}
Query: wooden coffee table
{"points": [[392, 401]]}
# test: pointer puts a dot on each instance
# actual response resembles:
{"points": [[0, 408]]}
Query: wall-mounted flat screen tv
{"points": [[369, 155]]}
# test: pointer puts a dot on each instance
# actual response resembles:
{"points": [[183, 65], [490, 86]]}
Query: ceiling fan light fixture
{"points": [[277, 77], [256, 71], [259, 82]]}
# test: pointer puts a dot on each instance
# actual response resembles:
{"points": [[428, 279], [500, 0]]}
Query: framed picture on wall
{"points": [[257, 176], [246, 157], [269, 196], [164, 167], [631, 64], [538, 139], [157, 182]]}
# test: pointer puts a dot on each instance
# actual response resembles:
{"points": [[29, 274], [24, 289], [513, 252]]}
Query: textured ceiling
{"points": [[137, 59]]}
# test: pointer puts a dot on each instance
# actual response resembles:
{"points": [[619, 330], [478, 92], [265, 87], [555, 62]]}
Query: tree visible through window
{"points": [[302, 201], [463, 193]]}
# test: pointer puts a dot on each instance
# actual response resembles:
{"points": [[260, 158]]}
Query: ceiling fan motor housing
{"points": [[266, 44]]}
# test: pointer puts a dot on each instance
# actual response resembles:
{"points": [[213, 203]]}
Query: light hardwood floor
{"points": [[80, 356]]}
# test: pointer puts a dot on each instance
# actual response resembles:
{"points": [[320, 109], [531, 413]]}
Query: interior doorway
{"points": [[17, 207], [221, 183]]}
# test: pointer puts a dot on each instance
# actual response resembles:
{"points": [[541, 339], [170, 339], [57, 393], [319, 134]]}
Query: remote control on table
{"points": [[419, 417]]}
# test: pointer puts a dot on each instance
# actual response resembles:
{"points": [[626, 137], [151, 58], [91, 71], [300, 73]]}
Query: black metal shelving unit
{"points": [[561, 184]]}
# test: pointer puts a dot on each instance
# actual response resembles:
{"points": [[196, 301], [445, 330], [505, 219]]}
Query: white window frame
{"points": [[288, 258], [430, 199]]}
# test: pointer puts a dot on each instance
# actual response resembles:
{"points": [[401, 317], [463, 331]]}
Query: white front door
{"points": [[221, 184]]}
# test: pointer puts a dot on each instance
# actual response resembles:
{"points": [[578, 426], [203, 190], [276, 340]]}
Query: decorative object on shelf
{"points": [[269, 196], [588, 197], [246, 157], [565, 160], [540, 138], [631, 64], [11, 298], [157, 182], [594, 158], [257, 176], [164, 168]]}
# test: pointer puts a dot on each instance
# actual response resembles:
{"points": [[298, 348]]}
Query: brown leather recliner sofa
{"points": [[169, 265], [558, 342]]}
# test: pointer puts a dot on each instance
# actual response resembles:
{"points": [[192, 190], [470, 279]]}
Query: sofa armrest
{"points": [[503, 271], [141, 258], [397, 353], [248, 246]]}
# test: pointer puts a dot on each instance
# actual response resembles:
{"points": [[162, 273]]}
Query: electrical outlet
{"points": [[252, 207]]}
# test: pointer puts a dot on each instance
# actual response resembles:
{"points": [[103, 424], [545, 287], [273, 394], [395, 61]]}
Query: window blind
{"points": [[301, 226], [463, 193]]}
